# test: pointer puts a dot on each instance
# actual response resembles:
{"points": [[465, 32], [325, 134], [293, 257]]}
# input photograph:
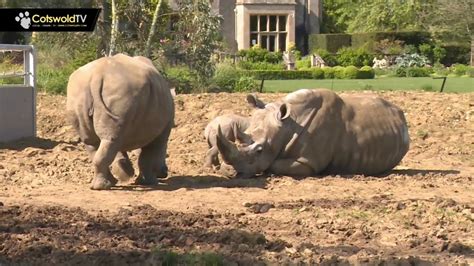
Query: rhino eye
{"points": [[259, 148]]}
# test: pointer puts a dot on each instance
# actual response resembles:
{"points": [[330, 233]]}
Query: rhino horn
{"points": [[227, 149]]}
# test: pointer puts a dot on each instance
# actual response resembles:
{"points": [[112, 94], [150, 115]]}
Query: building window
{"points": [[268, 31]]}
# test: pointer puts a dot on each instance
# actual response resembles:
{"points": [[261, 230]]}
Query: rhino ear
{"points": [[255, 102], [283, 112]]}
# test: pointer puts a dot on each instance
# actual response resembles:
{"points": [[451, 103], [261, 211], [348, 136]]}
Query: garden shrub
{"points": [[354, 57], [329, 59], [183, 79], [350, 72], [408, 37], [304, 63], [245, 83], [247, 65], [470, 72], [318, 73], [413, 72], [278, 74], [426, 50], [339, 72], [411, 60], [366, 72], [328, 72], [258, 54], [456, 54], [53, 80], [460, 69], [438, 53]]}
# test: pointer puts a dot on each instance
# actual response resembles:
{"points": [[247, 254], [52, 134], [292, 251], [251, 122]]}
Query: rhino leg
{"points": [[212, 158], [102, 158], [290, 167], [152, 160], [122, 166]]}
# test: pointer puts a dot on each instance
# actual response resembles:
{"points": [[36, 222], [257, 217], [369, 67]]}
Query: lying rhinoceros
{"points": [[232, 127], [117, 104], [310, 132]]}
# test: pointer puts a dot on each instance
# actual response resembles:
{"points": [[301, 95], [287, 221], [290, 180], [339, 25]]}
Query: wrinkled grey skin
{"points": [[232, 127], [310, 132], [117, 104]]}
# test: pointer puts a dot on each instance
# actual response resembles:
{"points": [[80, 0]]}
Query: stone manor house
{"points": [[273, 24]]}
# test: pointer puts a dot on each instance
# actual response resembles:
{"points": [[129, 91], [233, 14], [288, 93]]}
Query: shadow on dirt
{"points": [[197, 182], [38, 143], [57, 235], [422, 172]]}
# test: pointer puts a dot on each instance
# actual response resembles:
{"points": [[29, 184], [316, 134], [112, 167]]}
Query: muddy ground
{"points": [[421, 213]]}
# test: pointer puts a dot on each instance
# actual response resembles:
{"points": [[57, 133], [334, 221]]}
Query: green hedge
{"points": [[329, 42], [338, 72], [408, 37]]}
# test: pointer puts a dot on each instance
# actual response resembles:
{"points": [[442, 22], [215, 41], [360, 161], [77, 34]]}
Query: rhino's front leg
{"points": [[291, 167], [102, 159], [212, 158]]}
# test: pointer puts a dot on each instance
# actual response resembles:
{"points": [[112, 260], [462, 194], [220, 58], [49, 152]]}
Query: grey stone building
{"points": [[273, 24]]}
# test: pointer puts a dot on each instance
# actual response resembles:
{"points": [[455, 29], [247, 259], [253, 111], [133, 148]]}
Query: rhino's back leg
{"points": [[122, 166], [152, 159], [212, 158], [102, 158]]}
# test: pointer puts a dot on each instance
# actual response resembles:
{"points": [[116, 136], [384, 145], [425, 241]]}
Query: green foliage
{"points": [[329, 59], [354, 57], [258, 54], [246, 83], [329, 42], [368, 39], [198, 33], [279, 74], [226, 77], [413, 72], [53, 80], [303, 64], [438, 53], [383, 15], [470, 72], [366, 72], [460, 69], [182, 78], [318, 73], [247, 65], [426, 50], [328, 72], [350, 72], [339, 72], [336, 15]]}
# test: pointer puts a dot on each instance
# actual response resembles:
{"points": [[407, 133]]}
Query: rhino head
{"points": [[268, 130]]}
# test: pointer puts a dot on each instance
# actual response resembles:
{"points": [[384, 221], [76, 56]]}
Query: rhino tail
{"points": [[96, 91]]}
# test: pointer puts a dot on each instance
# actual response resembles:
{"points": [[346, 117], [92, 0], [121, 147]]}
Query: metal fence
{"points": [[18, 101]]}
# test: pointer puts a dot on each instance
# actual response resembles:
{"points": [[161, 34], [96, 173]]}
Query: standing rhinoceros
{"points": [[118, 104], [232, 127], [316, 131]]}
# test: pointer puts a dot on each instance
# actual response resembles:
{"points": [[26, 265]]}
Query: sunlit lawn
{"points": [[453, 84]]}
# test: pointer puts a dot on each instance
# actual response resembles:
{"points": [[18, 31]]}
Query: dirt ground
{"points": [[421, 213]]}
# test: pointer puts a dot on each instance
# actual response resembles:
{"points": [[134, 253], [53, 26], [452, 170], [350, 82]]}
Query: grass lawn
{"points": [[455, 84]]}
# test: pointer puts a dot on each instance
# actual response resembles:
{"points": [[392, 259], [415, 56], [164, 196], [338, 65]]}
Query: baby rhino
{"points": [[232, 126]]}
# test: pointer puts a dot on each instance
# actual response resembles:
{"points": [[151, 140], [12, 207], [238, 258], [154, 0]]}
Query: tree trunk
{"points": [[152, 29], [103, 28], [114, 31], [472, 51]]}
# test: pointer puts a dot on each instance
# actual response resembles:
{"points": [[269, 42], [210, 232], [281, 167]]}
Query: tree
{"points": [[152, 29], [114, 30], [453, 20], [197, 36]]}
